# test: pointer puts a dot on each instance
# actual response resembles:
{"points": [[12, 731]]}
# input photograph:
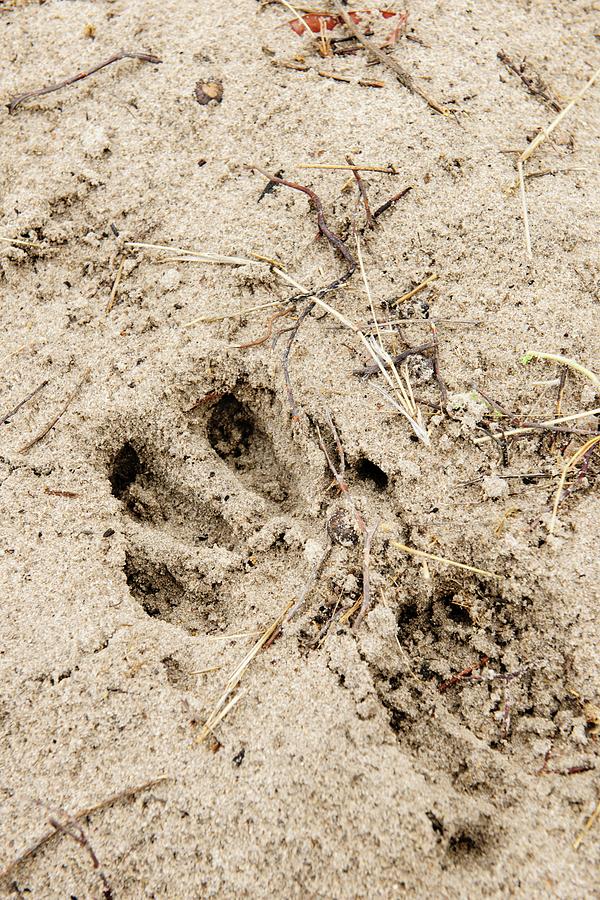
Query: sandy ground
{"points": [[176, 508]]}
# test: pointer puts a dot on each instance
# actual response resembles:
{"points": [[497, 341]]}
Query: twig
{"points": [[267, 335], [386, 170], [335, 76], [464, 673], [437, 369], [546, 132], [533, 82], [339, 473], [82, 814], [562, 381], [74, 830], [115, 287], [29, 397], [363, 193], [336, 242], [403, 77], [385, 206], [269, 186], [571, 463], [312, 579], [368, 540], [42, 434], [145, 57], [396, 360]]}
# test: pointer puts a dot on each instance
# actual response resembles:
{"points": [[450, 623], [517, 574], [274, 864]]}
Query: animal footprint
{"points": [[207, 503]]}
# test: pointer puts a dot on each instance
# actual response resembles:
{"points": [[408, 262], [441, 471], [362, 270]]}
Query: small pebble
{"points": [[342, 528], [207, 91]]}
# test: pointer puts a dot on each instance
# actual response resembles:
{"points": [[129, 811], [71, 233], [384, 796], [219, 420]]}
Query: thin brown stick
{"points": [[82, 814], [74, 830], [29, 397], [464, 673], [124, 54], [333, 238], [385, 206], [113, 294], [367, 82], [437, 369], [532, 81], [363, 193], [385, 170], [267, 335], [403, 77], [312, 579], [396, 360], [338, 244], [368, 540], [335, 76], [42, 434], [285, 358], [562, 381]]}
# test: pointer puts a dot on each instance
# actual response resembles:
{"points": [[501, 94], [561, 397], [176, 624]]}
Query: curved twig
{"points": [[124, 54]]}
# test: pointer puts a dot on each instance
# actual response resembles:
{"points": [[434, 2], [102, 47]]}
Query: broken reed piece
{"points": [[403, 77], [125, 54]]}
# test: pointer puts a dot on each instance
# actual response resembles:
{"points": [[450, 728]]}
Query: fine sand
{"points": [[177, 508]]}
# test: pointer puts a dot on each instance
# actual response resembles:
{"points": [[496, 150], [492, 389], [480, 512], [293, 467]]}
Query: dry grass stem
{"points": [[422, 554], [226, 702], [592, 819], [403, 77], [547, 423], [113, 294], [415, 290], [563, 361], [399, 384], [535, 143], [220, 317], [19, 242], [524, 208], [543, 135], [570, 464], [190, 255]]}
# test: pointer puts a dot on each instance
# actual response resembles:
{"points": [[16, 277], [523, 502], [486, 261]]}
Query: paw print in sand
{"points": [[213, 504]]}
